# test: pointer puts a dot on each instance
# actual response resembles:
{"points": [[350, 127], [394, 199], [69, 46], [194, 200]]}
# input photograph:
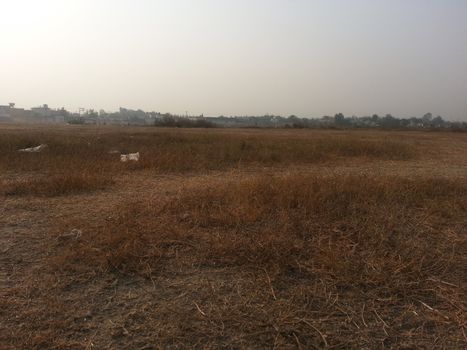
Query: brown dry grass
{"points": [[255, 222], [77, 163], [290, 260], [57, 185], [177, 151], [383, 250]]}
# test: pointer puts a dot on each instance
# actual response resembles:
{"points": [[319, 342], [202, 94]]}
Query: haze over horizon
{"points": [[238, 57]]}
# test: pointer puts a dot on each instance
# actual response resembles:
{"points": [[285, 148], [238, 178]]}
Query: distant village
{"points": [[44, 114]]}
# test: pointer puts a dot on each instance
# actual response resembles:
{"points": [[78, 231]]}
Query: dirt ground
{"points": [[110, 312]]}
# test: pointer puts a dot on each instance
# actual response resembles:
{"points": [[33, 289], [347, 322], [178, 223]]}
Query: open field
{"points": [[287, 239]]}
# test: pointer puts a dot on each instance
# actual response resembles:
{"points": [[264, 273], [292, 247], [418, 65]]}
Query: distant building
{"points": [[44, 114], [5, 111], [43, 111], [5, 114]]}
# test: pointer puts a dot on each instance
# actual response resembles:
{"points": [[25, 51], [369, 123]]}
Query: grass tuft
{"points": [[57, 185]]}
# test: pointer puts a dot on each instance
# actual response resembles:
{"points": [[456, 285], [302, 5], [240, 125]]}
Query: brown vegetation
{"points": [[57, 185], [179, 151], [291, 259]]}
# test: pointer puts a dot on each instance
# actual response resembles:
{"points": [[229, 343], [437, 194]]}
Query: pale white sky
{"points": [[235, 57]]}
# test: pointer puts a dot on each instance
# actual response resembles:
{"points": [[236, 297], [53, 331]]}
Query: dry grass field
{"points": [[235, 239]]}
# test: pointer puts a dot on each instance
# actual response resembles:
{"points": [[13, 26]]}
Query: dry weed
{"points": [[57, 185], [295, 261], [175, 151]]}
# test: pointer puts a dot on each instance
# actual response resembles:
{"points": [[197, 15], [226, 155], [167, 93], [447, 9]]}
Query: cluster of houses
{"points": [[43, 114]]}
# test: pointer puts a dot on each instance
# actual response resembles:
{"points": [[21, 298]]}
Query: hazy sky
{"points": [[303, 57]]}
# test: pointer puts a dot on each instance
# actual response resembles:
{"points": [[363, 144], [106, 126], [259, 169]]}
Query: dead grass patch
{"points": [[296, 261], [57, 185], [299, 261], [177, 152]]}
